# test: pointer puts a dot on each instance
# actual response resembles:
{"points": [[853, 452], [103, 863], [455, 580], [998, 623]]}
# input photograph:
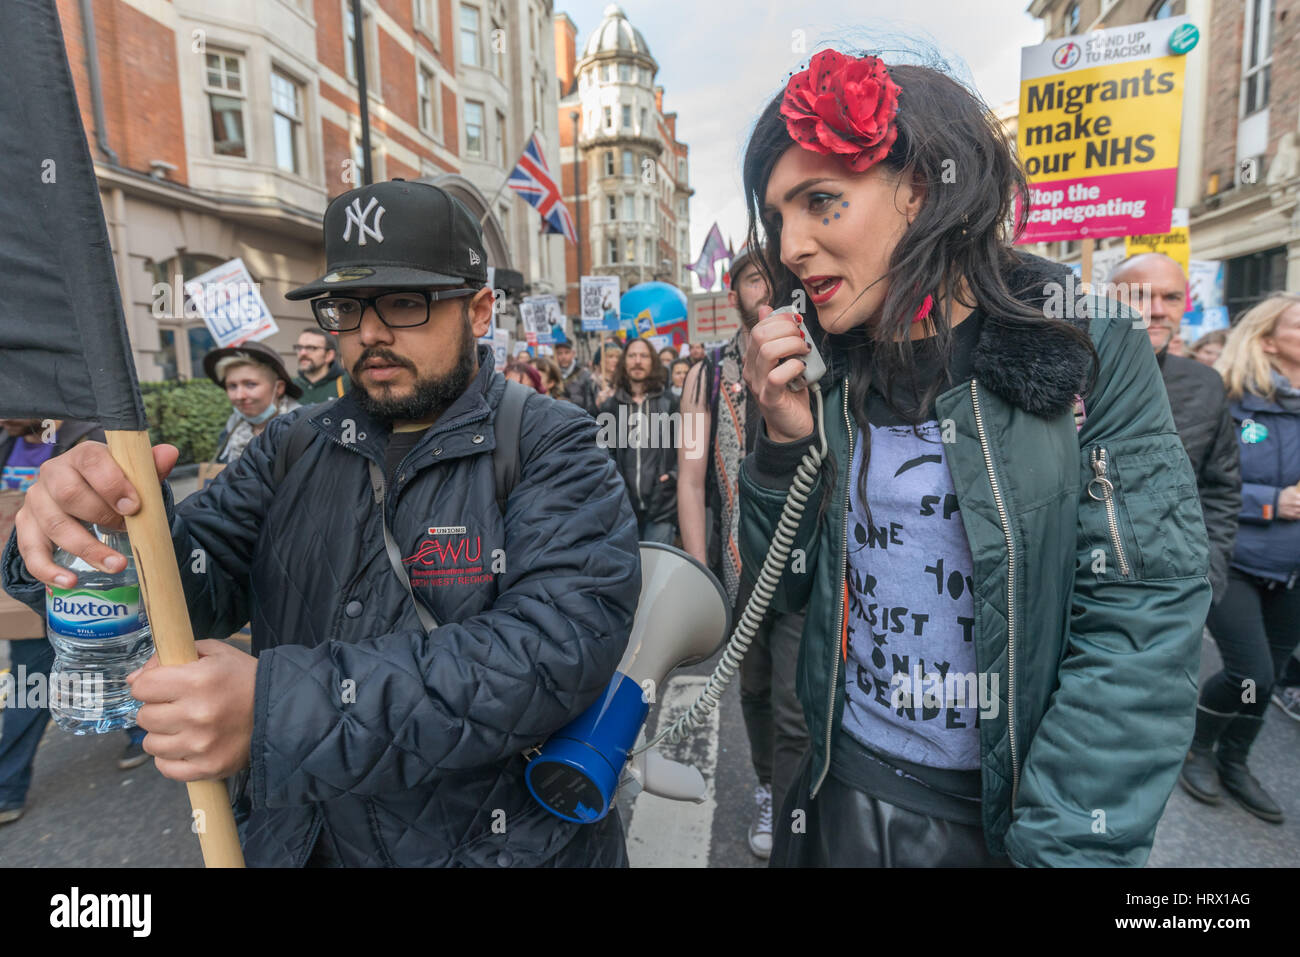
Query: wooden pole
{"points": [[1085, 265], [173, 637]]}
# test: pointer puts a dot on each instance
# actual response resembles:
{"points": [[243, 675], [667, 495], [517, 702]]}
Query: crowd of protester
{"points": [[1235, 398]]}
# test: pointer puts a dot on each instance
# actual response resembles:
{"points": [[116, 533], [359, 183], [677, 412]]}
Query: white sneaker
{"points": [[760, 832]]}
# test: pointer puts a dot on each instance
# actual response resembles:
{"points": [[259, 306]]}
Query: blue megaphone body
{"points": [[682, 617]]}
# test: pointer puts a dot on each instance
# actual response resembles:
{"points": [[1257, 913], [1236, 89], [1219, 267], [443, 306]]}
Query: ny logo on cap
{"points": [[359, 216], [473, 258]]}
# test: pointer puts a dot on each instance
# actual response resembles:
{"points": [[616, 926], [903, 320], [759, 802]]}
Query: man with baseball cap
{"points": [[415, 630]]}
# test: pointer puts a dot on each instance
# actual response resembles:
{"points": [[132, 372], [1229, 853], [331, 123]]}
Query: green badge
{"points": [[1252, 432], [1183, 39]]}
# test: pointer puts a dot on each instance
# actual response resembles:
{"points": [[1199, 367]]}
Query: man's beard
{"points": [[431, 396], [749, 319], [311, 369]]}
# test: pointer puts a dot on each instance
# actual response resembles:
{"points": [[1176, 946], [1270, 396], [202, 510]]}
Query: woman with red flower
{"points": [[1003, 603]]}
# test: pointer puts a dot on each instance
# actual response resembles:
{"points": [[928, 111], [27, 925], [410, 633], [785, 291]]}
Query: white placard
{"points": [[231, 305]]}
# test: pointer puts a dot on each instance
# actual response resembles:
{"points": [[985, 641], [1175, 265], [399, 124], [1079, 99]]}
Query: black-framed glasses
{"points": [[397, 310]]}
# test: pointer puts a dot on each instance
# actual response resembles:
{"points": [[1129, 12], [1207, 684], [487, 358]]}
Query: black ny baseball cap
{"points": [[398, 235]]}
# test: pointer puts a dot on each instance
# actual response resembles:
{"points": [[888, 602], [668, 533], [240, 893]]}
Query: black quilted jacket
{"points": [[406, 747]]}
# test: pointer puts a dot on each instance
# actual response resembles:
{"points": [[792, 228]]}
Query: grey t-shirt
{"points": [[911, 733]]}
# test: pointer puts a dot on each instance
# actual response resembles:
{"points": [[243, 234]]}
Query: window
{"points": [[469, 39], [1071, 21], [501, 139], [643, 119], [473, 129], [427, 100], [183, 341], [609, 73], [628, 161], [286, 101], [609, 162], [611, 206], [1163, 9], [627, 117], [424, 14], [649, 251], [537, 99], [645, 75], [1249, 279], [1257, 58], [609, 117], [681, 168], [225, 85], [611, 250], [631, 249], [648, 215], [629, 207], [625, 73]]}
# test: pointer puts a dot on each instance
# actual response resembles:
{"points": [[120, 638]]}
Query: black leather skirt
{"points": [[847, 827]]}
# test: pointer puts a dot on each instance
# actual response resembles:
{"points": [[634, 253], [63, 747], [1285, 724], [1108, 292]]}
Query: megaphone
{"points": [[682, 618]]}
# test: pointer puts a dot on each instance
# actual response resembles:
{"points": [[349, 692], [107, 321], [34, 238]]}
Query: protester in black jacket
{"points": [[579, 386], [640, 424], [360, 738], [1155, 285]]}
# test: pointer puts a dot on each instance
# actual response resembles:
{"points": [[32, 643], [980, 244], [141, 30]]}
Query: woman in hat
{"points": [[259, 388]]}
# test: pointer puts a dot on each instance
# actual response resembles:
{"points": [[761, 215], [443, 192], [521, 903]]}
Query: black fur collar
{"points": [[1039, 370]]}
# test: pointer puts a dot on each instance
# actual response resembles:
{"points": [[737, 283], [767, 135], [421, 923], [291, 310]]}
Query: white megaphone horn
{"points": [[682, 618]]}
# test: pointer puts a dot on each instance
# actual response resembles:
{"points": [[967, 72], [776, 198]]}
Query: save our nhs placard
{"points": [[1098, 129], [231, 304]]}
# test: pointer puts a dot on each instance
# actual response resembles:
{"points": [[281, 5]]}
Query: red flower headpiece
{"points": [[842, 106]]}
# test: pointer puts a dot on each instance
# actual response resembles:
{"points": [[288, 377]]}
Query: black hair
{"points": [[958, 246]]}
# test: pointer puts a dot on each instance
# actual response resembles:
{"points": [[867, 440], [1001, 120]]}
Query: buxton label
{"points": [[94, 613]]}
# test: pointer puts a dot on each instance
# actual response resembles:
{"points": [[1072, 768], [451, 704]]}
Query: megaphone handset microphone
{"points": [[778, 554]]}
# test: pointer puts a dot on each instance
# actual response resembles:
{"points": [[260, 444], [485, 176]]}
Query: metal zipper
{"points": [[637, 473], [839, 628], [1107, 495], [1011, 590]]}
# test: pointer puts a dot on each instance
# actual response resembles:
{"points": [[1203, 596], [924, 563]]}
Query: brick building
{"points": [[1239, 162], [632, 183], [222, 128]]}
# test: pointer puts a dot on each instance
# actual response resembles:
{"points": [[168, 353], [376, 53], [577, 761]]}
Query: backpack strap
{"points": [[509, 423]]}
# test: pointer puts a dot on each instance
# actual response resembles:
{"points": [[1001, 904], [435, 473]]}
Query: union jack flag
{"points": [[532, 180]]}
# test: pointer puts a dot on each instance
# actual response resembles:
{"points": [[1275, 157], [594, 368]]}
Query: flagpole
{"points": [[493, 201], [169, 620]]}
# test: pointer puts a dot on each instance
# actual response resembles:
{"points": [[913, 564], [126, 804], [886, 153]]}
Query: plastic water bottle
{"points": [[100, 635]]}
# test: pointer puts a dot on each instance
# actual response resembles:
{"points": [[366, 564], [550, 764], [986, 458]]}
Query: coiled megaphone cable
{"points": [[764, 589]]}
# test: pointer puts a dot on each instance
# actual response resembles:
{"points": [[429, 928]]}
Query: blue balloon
{"points": [[667, 305]]}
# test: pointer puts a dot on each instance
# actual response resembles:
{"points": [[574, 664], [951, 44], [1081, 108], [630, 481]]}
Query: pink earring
{"points": [[926, 305]]}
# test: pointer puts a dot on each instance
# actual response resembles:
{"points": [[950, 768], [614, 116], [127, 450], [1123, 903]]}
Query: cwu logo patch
{"points": [[448, 555]]}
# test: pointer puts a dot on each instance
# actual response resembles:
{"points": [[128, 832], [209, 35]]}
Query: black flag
{"points": [[64, 351]]}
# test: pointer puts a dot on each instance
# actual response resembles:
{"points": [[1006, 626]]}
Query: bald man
{"points": [[1156, 286]]}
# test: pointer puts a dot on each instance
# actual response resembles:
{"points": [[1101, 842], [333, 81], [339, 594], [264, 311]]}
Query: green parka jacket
{"points": [[1089, 599]]}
